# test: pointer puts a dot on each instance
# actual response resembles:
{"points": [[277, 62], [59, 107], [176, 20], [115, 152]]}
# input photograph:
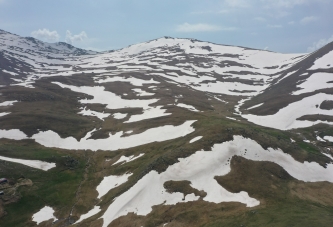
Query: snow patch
{"points": [[328, 138], [285, 118], [124, 159], [99, 115], [111, 182], [189, 107], [31, 163], [253, 107], [142, 92], [195, 139], [8, 103], [315, 82], [90, 213], [116, 141], [119, 115], [44, 214]]}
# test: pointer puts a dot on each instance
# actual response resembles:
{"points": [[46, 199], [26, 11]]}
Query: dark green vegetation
{"points": [[56, 187]]}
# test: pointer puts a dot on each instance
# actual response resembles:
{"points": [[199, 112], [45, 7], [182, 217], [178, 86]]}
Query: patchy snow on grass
{"points": [[123, 159], [315, 82], [99, 115], [195, 139], [239, 104], [13, 134], [44, 214], [231, 88], [119, 115], [32, 163], [220, 100], [116, 141], [111, 182], [112, 100], [90, 213], [149, 113], [141, 92], [189, 107], [201, 168], [7, 103], [285, 118], [134, 81], [11, 73]]}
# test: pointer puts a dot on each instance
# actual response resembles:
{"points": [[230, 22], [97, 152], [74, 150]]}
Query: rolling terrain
{"points": [[171, 132]]}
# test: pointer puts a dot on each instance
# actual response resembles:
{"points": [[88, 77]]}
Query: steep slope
{"points": [[300, 91], [153, 134]]}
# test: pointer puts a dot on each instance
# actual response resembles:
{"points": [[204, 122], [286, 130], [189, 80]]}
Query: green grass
{"points": [[55, 187]]}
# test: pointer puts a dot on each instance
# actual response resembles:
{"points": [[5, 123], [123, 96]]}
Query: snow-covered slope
{"points": [[169, 111]]}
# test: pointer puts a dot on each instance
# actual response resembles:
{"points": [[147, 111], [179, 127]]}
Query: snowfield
{"points": [[315, 82], [201, 168]]}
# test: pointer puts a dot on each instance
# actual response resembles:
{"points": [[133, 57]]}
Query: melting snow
{"points": [[324, 62], [4, 114], [253, 107], [111, 182], [195, 139], [116, 141], [315, 82], [44, 214], [7, 103], [125, 159], [13, 134], [328, 138], [90, 213], [119, 115], [152, 112], [94, 113], [32, 163], [285, 118], [201, 168], [142, 92], [320, 139], [112, 100], [189, 107], [132, 80]]}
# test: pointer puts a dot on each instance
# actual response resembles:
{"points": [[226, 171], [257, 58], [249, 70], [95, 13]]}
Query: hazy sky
{"points": [[278, 25]]}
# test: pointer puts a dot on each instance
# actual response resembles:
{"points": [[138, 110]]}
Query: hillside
{"points": [[170, 132]]}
